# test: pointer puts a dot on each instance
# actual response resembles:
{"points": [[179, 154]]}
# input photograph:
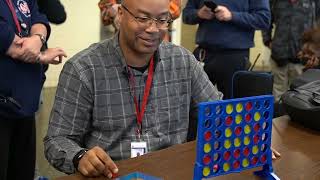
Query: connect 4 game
{"points": [[235, 135]]}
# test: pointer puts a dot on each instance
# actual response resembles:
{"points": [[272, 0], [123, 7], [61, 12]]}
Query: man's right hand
{"points": [[205, 13], [96, 162]]}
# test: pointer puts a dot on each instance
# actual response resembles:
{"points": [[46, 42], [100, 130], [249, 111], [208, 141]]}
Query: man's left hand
{"points": [[223, 14]]}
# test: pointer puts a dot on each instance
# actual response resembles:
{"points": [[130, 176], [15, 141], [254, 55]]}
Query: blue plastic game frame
{"points": [[218, 149], [137, 175]]}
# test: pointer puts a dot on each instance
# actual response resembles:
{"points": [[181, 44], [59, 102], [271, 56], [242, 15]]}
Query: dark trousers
{"points": [[17, 148], [221, 64]]}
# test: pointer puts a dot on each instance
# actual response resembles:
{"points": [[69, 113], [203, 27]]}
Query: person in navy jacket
{"points": [[23, 32], [225, 35]]}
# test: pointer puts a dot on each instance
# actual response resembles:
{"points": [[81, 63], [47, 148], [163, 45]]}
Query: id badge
{"points": [[138, 149]]}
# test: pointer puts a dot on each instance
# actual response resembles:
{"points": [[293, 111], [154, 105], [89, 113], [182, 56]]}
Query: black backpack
{"points": [[302, 101]]}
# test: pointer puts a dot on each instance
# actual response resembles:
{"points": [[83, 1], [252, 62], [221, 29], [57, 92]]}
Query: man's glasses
{"points": [[145, 22]]}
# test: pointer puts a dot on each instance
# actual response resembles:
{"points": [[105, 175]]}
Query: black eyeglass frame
{"points": [[147, 21]]}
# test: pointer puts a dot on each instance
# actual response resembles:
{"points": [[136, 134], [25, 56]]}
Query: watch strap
{"points": [[78, 157], [42, 38]]}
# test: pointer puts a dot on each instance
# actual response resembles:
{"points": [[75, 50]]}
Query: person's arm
{"points": [[267, 33], [54, 10], [190, 12], [6, 36], [39, 33], [70, 121], [257, 18], [9, 40]]}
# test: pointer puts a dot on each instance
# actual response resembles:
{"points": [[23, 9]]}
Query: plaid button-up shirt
{"points": [[94, 105]]}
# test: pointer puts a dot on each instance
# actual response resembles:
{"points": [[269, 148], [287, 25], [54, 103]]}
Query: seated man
{"points": [[130, 90]]}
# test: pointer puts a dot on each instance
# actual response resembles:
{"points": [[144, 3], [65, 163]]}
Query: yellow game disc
{"points": [[228, 132], [245, 162], [247, 129], [227, 144], [229, 109], [257, 116], [237, 142], [226, 167], [246, 140], [255, 150], [239, 108], [207, 148], [238, 119], [206, 171]]}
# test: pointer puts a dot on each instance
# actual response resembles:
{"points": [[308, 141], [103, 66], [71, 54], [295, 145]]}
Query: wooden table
{"points": [[299, 148]]}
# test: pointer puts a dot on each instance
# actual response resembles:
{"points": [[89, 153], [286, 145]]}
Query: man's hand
{"points": [[275, 154], [205, 13], [31, 48], [52, 56], [97, 162], [223, 14]]}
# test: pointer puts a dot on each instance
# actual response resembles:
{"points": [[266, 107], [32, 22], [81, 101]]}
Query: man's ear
{"points": [[120, 13]]}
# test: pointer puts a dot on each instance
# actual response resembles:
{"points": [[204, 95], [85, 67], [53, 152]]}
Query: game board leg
{"points": [[267, 173]]}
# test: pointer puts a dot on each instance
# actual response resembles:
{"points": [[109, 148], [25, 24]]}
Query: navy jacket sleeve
{"points": [[37, 17], [53, 9], [6, 36], [189, 14], [258, 17]]}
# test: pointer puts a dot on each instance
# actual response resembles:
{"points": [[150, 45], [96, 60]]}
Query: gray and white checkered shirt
{"points": [[94, 107]]}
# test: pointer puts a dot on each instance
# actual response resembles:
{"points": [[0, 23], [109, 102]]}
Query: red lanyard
{"points": [[140, 111], [14, 15]]}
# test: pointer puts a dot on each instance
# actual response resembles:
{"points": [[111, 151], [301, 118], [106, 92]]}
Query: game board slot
{"points": [[208, 123]]}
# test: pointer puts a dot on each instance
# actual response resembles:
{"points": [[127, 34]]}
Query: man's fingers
{"points": [[91, 170], [108, 162], [97, 164]]}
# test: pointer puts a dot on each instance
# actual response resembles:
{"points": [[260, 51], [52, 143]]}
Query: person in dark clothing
{"points": [[54, 11], [23, 31], [290, 18], [225, 35]]}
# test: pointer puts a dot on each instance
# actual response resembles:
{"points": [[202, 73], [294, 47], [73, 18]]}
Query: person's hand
{"points": [[205, 13], [52, 56], [223, 14], [97, 162], [309, 56], [312, 62], [31, 48], [15, 51], [113, 10], [275, 154]]}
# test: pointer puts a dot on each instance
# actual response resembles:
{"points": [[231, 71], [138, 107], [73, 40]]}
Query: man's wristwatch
{"points": [[42, 38], [76, 159]]}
